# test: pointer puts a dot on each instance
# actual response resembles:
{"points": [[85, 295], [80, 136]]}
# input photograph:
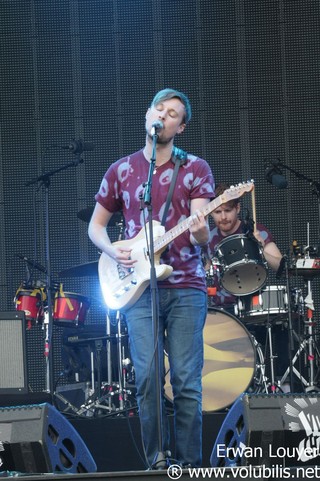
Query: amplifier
{"points": [[13, 372]]}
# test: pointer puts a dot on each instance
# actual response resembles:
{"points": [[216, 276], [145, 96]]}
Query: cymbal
{"points": [[86, 214], [81, 270]]}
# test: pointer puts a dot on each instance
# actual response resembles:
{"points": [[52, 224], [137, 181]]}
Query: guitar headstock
{"points": [[236, 191]]}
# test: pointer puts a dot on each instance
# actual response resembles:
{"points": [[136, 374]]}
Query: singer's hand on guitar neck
{"points": [[198, 228]]}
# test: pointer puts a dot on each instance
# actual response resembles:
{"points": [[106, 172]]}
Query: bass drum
{"points": [[229, 361]]}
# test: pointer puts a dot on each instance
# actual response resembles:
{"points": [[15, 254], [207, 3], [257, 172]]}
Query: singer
{"points": [[182, 296]]}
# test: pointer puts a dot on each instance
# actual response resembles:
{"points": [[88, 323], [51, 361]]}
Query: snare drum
{"points": [[230, 355], [243, 268], [272, 301], [31, 301], [70, 309]]}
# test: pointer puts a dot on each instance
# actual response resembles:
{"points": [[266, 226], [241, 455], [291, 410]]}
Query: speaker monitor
{"points": [[38, 439], [13, 372], [270, 429]]}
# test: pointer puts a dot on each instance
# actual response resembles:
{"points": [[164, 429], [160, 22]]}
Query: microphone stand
{"points": [[44, 180], [313, 183], [315, 190], [159, 461]]}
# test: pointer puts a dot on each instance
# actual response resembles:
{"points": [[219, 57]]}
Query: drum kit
{"points": [[234, 360]]}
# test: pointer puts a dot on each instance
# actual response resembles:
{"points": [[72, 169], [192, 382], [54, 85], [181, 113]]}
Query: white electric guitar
{"points": [[122, 287]]}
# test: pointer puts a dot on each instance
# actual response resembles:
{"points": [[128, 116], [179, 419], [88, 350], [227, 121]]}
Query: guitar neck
{"points": [[232, 193]]}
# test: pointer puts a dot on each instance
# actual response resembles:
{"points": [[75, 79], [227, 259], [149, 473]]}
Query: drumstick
{"points": [[253, 202]]}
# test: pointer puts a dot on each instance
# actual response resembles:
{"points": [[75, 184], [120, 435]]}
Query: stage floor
{"points": [[115, 442]]}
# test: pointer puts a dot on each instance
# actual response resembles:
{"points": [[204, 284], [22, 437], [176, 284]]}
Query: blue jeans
{"points": [[182, 314]]}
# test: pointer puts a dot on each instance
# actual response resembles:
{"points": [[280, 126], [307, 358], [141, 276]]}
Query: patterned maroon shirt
{"points": [[121, 188]]}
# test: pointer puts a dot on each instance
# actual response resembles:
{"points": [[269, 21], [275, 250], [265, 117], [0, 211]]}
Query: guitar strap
{"points": [[179, 157]]}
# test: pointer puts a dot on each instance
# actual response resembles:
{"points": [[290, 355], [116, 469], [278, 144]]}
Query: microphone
{"points": [[31, 263], [277, 180], [274, 175], [156, 126], [78, 146]]}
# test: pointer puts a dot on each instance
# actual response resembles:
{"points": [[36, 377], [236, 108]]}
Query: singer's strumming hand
{"points": [[122, 255]]}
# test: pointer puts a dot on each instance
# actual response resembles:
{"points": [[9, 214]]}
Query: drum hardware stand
{"points": [[262, 368], [95, 390], [105, 401], [238, 308], [66, 403], [95, 398], [117, 388], [272, 357], [284, 267], [120, 360], [102, 394], [307, 345], [44, 180], [109, 358], [309, 324], [293, 369], [274, 385], [121, 372]]}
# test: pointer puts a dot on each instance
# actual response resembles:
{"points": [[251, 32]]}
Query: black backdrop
{"points": [[89, 68]]}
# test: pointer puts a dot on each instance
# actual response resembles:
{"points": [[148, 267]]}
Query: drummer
{"points": [[227, 222]]}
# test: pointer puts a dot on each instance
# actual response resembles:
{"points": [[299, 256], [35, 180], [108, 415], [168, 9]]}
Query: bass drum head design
{"points": [[229, 361]]}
